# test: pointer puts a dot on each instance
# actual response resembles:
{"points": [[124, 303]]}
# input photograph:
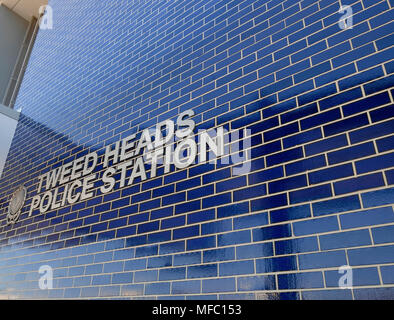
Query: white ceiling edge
{"points": [[24, 8], [11, 113]]}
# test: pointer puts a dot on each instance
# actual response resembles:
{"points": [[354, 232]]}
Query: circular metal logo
{"points": [[16, 204]]}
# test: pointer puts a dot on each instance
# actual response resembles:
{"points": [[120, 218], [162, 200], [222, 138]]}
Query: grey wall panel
{"points": [[12, 33]]}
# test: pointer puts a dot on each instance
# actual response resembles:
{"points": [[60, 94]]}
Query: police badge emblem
{"points": [[16, 204]]}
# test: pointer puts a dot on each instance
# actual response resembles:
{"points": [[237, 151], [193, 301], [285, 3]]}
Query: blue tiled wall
{"points": [[319, 193]]}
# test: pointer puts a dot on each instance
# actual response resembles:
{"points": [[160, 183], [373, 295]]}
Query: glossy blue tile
{"points": [[218, 285], [372, 132], [360, 183], [305, 165], [236, 268], [287, 184], [219, 254], [371, 255], [306, 244], [157, 288], [330, 174], [145, 276], [373, 293], [186, 232], [366, 104], [256, 283], [383, 234], [268, 265], [327, 259], [172, 273], [361, 277], [303, 280], [317, 225], [201, 243], [269, 202], [236, 237], [284, 156], [375, 163], [336, 205], [351, 153], [186, 287], [158, 262], [202, 271], [367, 217], [292, 213], [377, 198], [216, 227], [309, 194], [320, 119], [341, 294], [272, 232]]}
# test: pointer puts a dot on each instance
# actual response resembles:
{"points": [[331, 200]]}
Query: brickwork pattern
{"points": [[319, 195]]}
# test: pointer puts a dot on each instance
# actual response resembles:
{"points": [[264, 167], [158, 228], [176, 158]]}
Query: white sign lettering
{"points": [[129, 159]]}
